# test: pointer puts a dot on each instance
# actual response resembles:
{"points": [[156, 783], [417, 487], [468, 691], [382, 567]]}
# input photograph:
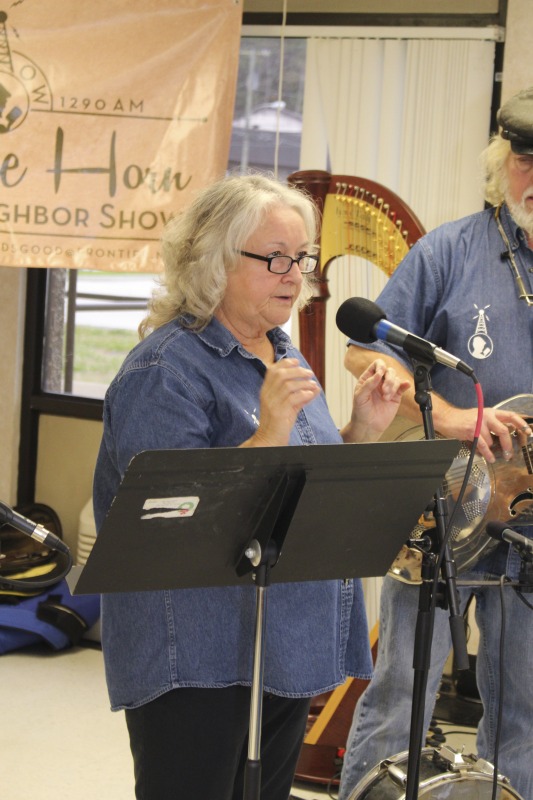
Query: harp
{"points": [[359, 217]]}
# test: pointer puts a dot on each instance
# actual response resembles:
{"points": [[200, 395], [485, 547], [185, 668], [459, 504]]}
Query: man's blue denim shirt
{"points": [[184, 389], [456, 289]]}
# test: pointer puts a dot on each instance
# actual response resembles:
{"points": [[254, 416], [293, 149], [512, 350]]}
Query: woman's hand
{"points": [[287, 388], [376, 400]]}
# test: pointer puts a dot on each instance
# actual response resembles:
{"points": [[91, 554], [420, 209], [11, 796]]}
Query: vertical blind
{"points": [[411, 114]]}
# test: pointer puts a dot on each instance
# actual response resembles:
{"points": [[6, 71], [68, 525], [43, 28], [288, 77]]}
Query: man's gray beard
{"points": [[521, 216]]}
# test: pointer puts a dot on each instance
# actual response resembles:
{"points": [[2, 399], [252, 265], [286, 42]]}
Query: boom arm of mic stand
{"points": [[423, 397]]}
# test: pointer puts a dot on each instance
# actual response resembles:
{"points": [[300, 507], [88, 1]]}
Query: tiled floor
{"points": [[58, 739]]}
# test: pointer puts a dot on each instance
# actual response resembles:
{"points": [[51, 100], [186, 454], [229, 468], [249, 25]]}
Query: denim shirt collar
{"points": [[216, 336]]}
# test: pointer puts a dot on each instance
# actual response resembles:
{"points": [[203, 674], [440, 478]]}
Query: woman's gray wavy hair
{"points": [[493, 160], [198, 246]]}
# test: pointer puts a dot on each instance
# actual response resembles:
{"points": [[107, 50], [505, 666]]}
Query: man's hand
{"points": [[497, 426]]}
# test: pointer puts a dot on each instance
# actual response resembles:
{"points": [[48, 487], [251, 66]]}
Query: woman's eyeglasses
{"points": [[280, 265]]}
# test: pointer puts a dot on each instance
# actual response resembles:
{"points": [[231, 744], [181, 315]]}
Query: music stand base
{"points": [[252, 779]]}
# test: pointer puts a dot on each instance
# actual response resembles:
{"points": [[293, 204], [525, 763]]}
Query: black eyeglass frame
{"points": [[270, 259]]}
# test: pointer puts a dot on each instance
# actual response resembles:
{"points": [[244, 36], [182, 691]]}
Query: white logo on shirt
{"points": [[253, 416], [480, 345]]}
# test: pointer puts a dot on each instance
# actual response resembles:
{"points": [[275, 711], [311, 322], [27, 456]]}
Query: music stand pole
{"points": [[426, 606], [262, 553], [262, 561]]}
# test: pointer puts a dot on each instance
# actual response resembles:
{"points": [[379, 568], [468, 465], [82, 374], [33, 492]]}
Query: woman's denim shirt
{"points": [[184, 389]]}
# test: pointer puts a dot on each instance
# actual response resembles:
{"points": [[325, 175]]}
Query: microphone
{"points": [[33, 529], [364, 321], [499, 531]]}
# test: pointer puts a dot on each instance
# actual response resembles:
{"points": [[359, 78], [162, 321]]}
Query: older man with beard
{"points": [[467, 286]]}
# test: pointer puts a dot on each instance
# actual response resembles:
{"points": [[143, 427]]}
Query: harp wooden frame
{"points": [[358, 217]]}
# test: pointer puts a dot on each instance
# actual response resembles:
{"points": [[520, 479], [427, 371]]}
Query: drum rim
{"points": [[450, 776]]}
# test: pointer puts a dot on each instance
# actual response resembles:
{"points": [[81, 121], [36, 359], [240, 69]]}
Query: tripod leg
{"points": [[421, 659]]}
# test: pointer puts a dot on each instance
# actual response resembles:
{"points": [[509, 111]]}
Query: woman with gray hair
{"points": [[215, 369]]}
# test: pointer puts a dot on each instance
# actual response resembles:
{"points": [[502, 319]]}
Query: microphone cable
{"points": [[466, 477], [36, 583]]}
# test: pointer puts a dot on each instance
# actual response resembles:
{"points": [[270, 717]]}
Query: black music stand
{"points": [[227, 516]]}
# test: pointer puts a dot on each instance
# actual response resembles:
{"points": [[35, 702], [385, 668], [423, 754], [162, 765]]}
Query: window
{"points": [[262, 121], [91, 323], [92, 316]]}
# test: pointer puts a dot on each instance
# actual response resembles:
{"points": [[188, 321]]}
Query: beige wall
{"points": [[67, 455], [12, 300], [518, 60], [375, 6]]}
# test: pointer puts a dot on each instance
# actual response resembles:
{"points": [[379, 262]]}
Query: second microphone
{"points": [[364, 321]]}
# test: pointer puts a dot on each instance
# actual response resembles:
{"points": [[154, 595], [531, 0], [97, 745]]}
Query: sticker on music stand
{"points": [[168, 507]]}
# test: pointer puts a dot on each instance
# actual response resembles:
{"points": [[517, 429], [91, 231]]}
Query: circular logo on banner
{"points": [[23, 85]]}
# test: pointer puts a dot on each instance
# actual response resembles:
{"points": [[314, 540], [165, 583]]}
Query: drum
{"points": [[445, 774]]}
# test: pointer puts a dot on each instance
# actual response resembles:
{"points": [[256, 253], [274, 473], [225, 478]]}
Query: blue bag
{"points": [[55, 617], [35, 602]]}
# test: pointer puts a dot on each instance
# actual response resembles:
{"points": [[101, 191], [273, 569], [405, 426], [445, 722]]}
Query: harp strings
{"points": [[362, 242]]}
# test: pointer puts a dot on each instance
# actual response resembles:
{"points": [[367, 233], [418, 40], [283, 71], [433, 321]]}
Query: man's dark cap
{"points": [[516, 120]]}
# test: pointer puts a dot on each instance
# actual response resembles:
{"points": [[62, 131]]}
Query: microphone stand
{"points": [[426, 604]]}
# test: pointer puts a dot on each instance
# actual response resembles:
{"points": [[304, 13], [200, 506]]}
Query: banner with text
{"points": [[112, 117]]}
